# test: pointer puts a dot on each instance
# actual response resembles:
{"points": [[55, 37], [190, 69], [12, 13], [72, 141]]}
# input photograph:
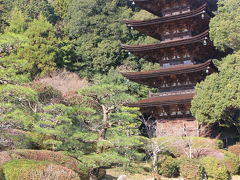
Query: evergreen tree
{"points": [[42, 52], [217, 99]]}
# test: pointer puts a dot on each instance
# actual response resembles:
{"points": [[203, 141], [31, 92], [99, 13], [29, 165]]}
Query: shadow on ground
{"points": [[109, 177]]}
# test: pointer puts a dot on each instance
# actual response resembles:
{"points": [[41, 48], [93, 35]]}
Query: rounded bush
{"points": [[215, 169], [169, 167], [235, 149], [191, 169], [36, 170]]}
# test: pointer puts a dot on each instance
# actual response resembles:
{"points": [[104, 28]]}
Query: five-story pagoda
{"points": [[184, 54]]}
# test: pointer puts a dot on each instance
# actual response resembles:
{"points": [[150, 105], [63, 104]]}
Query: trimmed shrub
{"points": [[169, 167], [191, 169], [232, 163], [235, 149], [58, 158], [36, 170], [215, 169]]}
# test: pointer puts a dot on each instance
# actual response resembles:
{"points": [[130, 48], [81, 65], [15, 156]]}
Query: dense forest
{"points": [[62, 95]]}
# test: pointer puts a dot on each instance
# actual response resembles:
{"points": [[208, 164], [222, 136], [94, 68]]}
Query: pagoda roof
{"points": [[155, 6], [167, 44], [202, 10], [164, 100], [172, 70]]}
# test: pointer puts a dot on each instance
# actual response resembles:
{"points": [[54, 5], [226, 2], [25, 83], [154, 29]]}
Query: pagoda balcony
{"points": [[177, 36], [171, 93], [176, 11]]}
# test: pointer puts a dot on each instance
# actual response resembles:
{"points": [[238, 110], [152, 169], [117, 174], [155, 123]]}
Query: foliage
{"points": [[143, 15], [18, 95], [5, 8], [32, 9], [214, 169], [55, 125], [17, 21], [228, 15], [16, 105], [42, 51], [191, 169], [217, 99], [13, 71], [169, 167], [15, 139], [97, 28]]}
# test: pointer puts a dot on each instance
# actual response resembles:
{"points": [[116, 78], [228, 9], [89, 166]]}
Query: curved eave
{"points": [[140, 48], [194, 13], [164, 100], [212, 4], [178, 69]]}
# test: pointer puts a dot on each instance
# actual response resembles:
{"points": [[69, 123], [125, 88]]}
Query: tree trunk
{"points": [[155, 161], [103, 131]]}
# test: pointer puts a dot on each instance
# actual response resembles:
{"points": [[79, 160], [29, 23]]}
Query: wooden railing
{"points": [[171, 93], [175, 11], [179, 35]]}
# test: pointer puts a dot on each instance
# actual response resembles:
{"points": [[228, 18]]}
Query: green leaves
{"points": [[55, 125], [224, 27], [18, 95], [218, 96]]}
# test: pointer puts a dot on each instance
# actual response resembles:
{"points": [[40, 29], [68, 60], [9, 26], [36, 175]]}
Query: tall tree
{"points": [[108, 97], [42, 52], [218, 97]]}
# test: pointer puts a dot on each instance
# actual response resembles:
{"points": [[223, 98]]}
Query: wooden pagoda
{"points": [[184, 54]]}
